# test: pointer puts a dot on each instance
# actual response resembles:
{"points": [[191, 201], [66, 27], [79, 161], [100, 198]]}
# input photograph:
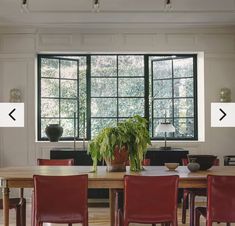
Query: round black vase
{"points": [[54, 132]]}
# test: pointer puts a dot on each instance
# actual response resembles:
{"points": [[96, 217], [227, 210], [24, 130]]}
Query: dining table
{"points": [[22, 177]]}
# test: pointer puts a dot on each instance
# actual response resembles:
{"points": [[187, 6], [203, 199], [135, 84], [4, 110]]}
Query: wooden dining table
{"points": [[22, 177]]}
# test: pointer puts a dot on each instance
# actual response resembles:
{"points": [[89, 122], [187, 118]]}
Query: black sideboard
{"points": [[157, 156]]}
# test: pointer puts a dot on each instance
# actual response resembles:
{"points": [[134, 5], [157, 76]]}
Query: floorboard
{"points": [[97, 217]]}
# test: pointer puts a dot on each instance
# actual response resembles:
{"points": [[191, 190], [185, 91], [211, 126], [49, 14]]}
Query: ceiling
{"points": [[118, 12]]}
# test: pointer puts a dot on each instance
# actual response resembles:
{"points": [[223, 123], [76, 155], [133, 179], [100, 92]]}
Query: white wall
{"points": [[18, 49]]}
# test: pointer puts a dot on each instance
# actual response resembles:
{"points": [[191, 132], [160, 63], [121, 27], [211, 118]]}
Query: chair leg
{"points": [[227, 224], [23, 213], [197, 217], [18, 216], [184, 206], [192, 206], [70, 224]]}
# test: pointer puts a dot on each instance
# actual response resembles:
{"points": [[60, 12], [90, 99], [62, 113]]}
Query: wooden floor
{"points": [[97, 217]]}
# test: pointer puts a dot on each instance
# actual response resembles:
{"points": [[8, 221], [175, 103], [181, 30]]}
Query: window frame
{"points": [[146, 92], [195, 104]]}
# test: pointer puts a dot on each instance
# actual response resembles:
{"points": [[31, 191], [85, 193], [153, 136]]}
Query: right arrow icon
{"points": [[224, 114]]}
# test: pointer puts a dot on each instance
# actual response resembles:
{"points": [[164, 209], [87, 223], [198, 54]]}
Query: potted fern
{"points": [[127, 140]]}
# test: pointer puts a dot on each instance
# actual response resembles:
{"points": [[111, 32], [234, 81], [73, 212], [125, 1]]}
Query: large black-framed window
{"points": [[85, 93], [174, 95], [62, 95], [117, 89]]}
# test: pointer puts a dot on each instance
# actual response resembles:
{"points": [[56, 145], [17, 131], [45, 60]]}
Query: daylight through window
{"points": [[85, 93]]}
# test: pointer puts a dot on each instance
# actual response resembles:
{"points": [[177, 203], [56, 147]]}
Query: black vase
{"points": [[54, 132]]}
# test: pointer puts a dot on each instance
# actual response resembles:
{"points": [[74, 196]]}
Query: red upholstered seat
{"points": [[220, 201], [60, 199], [149, 199], [192, 193]]}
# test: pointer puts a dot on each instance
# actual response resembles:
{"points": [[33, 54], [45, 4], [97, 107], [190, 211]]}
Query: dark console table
{"points": [[157, 156]]}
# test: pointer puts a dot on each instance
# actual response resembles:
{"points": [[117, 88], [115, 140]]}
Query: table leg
{"points": [[112, 205], [5, 192]]}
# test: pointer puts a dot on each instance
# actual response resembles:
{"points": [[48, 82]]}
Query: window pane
{"points": [[131, 87], [68, 127], [103, 66], [45, 123], [49, 87], [183, 67], [49, 68], [49, 108], [103, 107], [156, 122], [162, 107], [68, 88], [129, 107], [67, 108], [184, 128], [130, 66], [82, 84], [162, 88], [162, 69], [98, 124], [69, 69], [184, 107], [103, 87], [183, 87]]}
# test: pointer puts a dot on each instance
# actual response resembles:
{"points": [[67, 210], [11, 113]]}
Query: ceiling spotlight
{"points": [[96, 5], [168, 4], [24, 5]]}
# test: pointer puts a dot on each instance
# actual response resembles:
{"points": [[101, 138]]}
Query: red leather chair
{"points": [[220, 201], [60, 199], [50, 162], [55, 162], [119, 196], [191, 194], [19, 204], [149, 199]]}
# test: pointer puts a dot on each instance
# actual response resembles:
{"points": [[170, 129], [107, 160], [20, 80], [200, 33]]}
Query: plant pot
{"points": [[118, 164], [54, 132]]}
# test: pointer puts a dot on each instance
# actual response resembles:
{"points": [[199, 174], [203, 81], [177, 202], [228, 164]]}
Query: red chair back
{"points": [[150, 199], [60, 199], [221, 198], [55, 162], [185, 161]]}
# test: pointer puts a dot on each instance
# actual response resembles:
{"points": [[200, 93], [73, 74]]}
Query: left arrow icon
{"points": [[10, 114]]}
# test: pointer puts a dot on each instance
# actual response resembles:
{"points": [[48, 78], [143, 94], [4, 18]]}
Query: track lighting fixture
{"points": [[96, 5]]}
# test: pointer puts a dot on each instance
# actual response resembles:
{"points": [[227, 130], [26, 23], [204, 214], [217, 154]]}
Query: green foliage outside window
{"points": [[85, 93]]}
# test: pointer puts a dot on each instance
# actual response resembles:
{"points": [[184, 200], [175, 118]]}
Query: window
{"points": [[85, 93], [173, 94], [117, 89]]}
